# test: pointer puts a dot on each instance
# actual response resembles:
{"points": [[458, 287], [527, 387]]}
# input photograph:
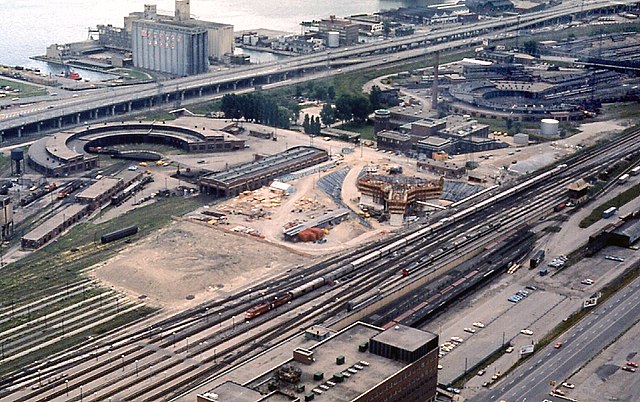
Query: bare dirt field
{"points": [[188, 258]]}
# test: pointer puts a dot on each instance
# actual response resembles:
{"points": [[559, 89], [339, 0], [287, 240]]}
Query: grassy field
{"points": [[26, 90], [364, 129], [63, 260]]}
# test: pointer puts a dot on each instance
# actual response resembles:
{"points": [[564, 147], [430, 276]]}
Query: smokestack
{"points": [[434, 89]]}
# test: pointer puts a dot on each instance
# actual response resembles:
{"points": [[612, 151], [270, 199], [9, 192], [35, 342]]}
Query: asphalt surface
{"points": [[531, 381]]}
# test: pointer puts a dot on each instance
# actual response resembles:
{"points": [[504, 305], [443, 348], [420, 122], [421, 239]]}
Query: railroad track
{"points": [[149, 348]]}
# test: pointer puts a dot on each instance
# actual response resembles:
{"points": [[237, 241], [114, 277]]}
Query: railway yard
{"points": [[152, 260], [216, 320]]}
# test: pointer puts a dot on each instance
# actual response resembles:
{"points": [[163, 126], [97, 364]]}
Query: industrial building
{"points": [[101, 191], [397, 196], [347, 31], [441, 168], [52, 157], [253, 175], [176, 48], [54, 226], [361, 363], [58, 155], [393, 141]]}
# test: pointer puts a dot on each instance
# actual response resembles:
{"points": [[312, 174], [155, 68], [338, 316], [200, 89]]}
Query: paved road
{"points": [[531, 381]]}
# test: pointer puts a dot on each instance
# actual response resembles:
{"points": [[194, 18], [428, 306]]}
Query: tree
{"points": [[375, 97], [315, 125], [328, 114], [331, 92], [530, 47], [360, 108], [306, 124], [343, 108], [320, 93]]}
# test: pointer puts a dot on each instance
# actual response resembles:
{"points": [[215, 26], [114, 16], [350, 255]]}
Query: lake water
{"points": [[29, 26]]}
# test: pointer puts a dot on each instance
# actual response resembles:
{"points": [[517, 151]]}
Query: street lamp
{"points": [[233, 323], [122, 356], [136, 367], [66, 383]]}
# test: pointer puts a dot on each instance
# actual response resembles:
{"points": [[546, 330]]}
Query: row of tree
{"points": [[258, 108]]}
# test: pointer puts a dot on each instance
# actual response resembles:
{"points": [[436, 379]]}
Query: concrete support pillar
{"points": [[78, 118], [150, 102], [168, 98], [268, 79], [113, 110], [1, 136], [59, 122], [129, 106], [97, 113], [38, 126], [182, 95], [235, 85], [20, 132], [251, 82], [217, 89], [200, 92], [285, 75]]}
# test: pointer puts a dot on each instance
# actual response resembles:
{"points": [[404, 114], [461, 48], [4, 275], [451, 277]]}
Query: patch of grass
{"points": [[26, 90], [552, 229], [205, 108], [364, 129], [626, 110], [5, 163], [131, 74], [618, 201], [158, 115]]}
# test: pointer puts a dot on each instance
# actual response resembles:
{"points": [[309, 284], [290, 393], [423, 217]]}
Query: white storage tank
{"points": [[521, 139], [549, 127], [333, 39]]}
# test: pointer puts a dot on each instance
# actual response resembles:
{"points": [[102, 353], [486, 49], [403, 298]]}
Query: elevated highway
{"points": [[109, 103]]}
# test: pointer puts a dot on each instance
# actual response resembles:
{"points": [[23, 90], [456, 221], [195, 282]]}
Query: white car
{"points": [[457, 339], [568, 385], [478, 325], [526, 332], [470, 330]]}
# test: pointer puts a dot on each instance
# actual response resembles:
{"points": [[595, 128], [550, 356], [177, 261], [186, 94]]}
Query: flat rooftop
{"points": [[98, 188], [404, 337], [345, 343], [264, 165], [55, 221]]}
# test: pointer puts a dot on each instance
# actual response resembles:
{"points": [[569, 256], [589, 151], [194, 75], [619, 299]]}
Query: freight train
{"points": [[396, 245]]}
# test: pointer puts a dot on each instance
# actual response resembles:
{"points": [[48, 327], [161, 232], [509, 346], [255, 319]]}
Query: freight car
{"points": [[118, 234], [404, 241]]}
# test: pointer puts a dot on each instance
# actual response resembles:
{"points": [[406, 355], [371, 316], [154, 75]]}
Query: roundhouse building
{"points": [[55, 156]]}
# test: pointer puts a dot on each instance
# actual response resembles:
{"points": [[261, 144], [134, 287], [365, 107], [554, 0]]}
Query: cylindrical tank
{"points": [[521, 139], [17, 154], [333, 39], [549, 127], [381, 120]]}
